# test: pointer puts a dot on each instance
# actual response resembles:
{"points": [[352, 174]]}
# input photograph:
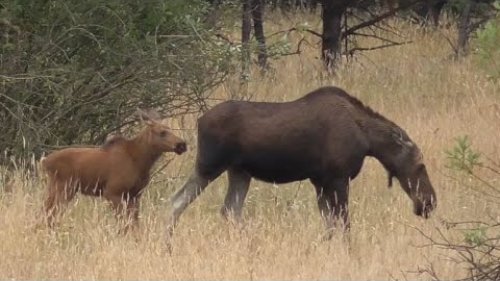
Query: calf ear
{"points": [[145, 117], [154, 115], [111, 140]]}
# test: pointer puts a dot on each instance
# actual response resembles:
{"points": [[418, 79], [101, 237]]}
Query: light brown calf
{"points": [[118, 171]]}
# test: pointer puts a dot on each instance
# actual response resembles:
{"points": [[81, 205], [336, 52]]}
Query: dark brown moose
{"points": [[323, 136], [117, 171]]}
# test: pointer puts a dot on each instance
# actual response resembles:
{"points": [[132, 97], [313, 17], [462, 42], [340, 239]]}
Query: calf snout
{"points": [[180, 147]]}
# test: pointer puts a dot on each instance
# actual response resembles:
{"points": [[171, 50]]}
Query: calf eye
{"points": [[163, 134]]}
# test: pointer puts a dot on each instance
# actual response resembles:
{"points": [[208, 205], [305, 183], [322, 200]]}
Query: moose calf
{"points": [[118, 171]]}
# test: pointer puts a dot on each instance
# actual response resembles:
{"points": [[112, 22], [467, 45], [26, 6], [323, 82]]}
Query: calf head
{"points": [[159, 135]]}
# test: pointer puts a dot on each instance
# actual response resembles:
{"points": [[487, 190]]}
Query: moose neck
{"points": [[142, 152], [385, 139]]}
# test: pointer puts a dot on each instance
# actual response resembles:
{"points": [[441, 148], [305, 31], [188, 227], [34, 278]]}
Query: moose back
{"points": [[323, 136]]}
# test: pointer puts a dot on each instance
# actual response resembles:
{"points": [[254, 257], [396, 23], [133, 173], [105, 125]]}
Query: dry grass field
{"points": [[432, 97]]}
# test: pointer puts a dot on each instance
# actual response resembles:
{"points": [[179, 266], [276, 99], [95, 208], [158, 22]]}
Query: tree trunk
{"points": [[464, 26], [245, 39], [427, 11], [313, 4], [285, 5], [434, 11], [215, 12], [332, 12], [257, 11]]}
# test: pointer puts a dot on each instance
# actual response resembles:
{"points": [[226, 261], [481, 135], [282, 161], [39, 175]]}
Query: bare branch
{"points": [[378, 18], [298, 51], [358, 49]]}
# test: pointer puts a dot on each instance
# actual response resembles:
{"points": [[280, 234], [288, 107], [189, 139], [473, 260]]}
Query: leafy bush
{"points": [[487, 45], [73, 71], [462, 158], [480, 249]]}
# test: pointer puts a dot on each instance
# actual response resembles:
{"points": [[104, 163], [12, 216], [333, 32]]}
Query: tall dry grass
{"points": [[432, 97]]}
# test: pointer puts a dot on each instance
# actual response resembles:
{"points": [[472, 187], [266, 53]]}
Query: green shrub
{"points": [[487, 45], [72, 71], [479, 251]]}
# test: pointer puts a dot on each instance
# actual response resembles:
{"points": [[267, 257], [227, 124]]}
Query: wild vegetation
{"points": [[433, 97], [73, 72]]}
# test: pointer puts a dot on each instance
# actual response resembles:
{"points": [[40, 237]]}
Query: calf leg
{"points": [[239, 181], [188, 193], [59, 194], [133, 210], [126, 208], [333, 204]]}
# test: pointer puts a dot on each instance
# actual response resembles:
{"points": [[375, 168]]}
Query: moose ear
{"points": [[397, 135]]}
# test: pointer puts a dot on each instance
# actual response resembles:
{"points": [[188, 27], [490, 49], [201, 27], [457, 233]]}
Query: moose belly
{"points": [[278, 168]]}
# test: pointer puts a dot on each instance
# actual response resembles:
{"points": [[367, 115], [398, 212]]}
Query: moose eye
{"points": [[163, 134], [420, 168]]}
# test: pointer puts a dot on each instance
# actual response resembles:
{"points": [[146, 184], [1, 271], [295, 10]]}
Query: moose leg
{"points": [[188, 193], [333, 204], [59, 194], [239, 181]]}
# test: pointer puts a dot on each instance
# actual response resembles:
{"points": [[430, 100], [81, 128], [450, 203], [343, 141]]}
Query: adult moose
{"points": [[118, 170], [323, 136]]}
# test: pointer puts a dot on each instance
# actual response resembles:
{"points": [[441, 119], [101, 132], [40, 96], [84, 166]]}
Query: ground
{"points": [[434, 98]]}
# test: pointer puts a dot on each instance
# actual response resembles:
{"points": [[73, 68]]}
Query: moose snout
{"points": [[424, 209], [180, 147]]}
